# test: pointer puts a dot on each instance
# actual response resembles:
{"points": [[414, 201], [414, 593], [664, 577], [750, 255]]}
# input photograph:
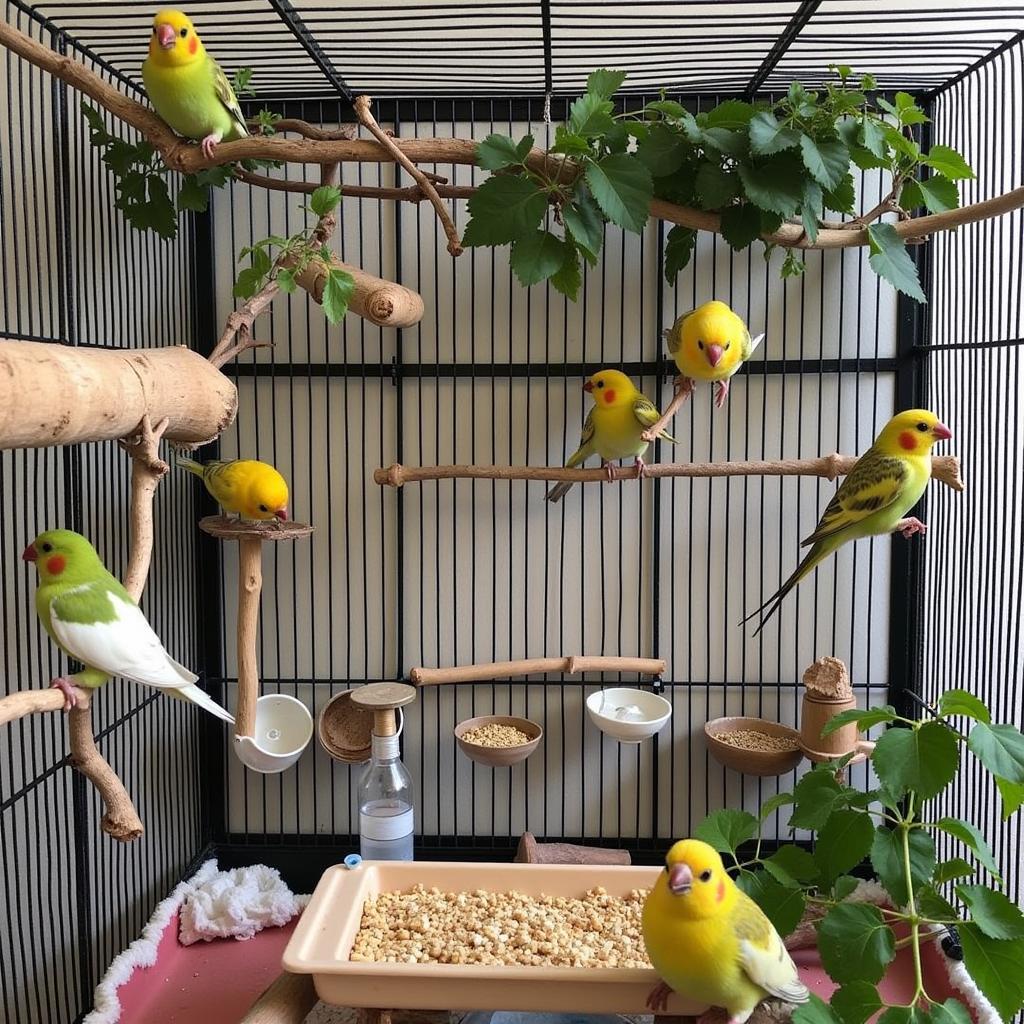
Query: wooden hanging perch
{"points": [[536, 666]]}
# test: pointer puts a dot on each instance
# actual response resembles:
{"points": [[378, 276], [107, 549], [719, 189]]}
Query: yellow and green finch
{"points": [[708, 343], [251, 489], [710, 942], [615, 426], [886, 482], [187, 87], [94, 620]]}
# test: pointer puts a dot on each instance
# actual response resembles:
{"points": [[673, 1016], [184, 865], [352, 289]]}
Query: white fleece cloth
{"points": [[237, 904], [142, 952]]}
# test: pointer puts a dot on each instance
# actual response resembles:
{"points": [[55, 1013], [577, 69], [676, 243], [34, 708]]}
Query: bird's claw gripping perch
{"points": [[68, 688], [209, 145], [721, 393], [908, 527], [609, 470], [641, 469], [657, 1001]]}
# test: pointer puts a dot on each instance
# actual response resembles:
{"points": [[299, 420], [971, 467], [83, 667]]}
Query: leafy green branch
{"points": [[914, 761]]}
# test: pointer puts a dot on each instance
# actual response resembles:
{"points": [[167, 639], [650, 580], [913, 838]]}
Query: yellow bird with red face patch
{"points": [[710, 942]]}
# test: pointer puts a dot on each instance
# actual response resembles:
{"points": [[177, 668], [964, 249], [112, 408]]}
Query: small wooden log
{"points": [[532, 852], [375, 299], [58, 394], [287, 1000], [535, 666]]}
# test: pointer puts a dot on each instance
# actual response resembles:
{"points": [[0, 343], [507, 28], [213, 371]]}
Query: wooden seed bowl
{"points": [[752, 762], [498, 757]]}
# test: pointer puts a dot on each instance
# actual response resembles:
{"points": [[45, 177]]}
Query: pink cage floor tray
{"points": [[323, 939]]}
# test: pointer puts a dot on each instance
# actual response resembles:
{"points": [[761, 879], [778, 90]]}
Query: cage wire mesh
{"points": [[454, 572]]}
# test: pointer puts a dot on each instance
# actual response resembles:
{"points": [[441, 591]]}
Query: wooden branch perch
{"points": [[59, 394], [945, 469], [236, 337], [186, 157], [536, 666], [375, 299]]}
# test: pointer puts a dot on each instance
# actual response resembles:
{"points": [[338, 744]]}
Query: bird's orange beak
{"points": [[588, 386], [282, 514], [941, 432], [166, 36], [714, 354], [29, 554], [680, 879]]}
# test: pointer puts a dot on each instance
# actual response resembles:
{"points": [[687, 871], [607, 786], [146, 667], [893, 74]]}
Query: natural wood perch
{"points": [[381, 302], [187, 157], [287, 1000], [61, 394], [535, 666], [945, 469]]}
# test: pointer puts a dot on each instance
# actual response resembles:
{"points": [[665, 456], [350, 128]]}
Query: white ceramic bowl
{"points": [[629, 716]]}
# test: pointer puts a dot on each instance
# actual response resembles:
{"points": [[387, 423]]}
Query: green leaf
{"points": [[872, 138], [286, 281], [590, 116], [338, 289], [811, 208], [535, 257], [1000, 748], [605, 83], [776, 185], [782, 905], [947, 870], [663, 151], [790, 865], [844, 887], [972, 838], [828, 161], [949, 162], [867, 82], [939, 193], [842, 198], [993, 913], [566, 142], [616, 139], [734, 143], [622, 187], [900, 143], [767, 136], [843, 843], [1012, 794], [568, 278], [161, 213], [669, 108], [815, 1011], [864, 719], [585, 224], [324, 200], [817, 796], [725, 830], [498, 151], [890, 260], [911, 196], [793, 265], [932, 905], [246, 284], [904, 1015], [730, 114], [715, 185], [888, 861], [192, 195], [261, 263], [856, 1001], [994, 966], [502, 209], [952, 1011], [773, 803], [855, 943], [741, 225], [960, 702], [214, 177], [240, 82], [908, 110], [679, 245]]}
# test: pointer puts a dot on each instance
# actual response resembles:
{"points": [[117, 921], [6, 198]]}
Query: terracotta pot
{"points": [[815, 712]]}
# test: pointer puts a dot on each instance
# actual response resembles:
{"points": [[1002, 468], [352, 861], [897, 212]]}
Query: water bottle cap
{"points": [[353, 860]]}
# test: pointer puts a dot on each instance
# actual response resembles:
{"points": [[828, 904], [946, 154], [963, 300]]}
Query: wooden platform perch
{"points": [[945, 469], [536, 666]]}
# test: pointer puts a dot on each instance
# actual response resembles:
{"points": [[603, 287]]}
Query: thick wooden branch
{"points": [[536, 666], [375, 299], [60, 394], [237, 336], [945, 469], [186, 157]]}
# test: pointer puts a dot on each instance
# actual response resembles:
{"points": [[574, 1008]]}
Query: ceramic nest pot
{"points": [[345, 729], [498, 757], [753, 758]]}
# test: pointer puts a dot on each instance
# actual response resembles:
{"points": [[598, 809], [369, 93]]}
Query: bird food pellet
{"points": [[751, 739], [495, 735], [510, 929]]}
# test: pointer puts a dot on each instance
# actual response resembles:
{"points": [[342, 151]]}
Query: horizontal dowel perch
{"points": [[382, 302], [535, 666], [29, 702], [945, 469], [60, 394]]}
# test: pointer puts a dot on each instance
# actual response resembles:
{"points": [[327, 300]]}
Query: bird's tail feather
{"points": [[190, 464], [559, 491], [810, 560], [201, 699]]}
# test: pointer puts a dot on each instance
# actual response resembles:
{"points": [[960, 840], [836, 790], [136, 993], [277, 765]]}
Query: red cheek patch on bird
{"points": [[609, 395], [193, 43], [55, 565], [908, 441], [720, 895]]}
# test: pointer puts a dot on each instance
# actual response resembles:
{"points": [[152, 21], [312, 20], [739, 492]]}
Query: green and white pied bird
{"points": [[94, 620]]}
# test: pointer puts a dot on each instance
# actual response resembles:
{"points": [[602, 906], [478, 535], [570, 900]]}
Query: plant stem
{"points": [[915, 922]]}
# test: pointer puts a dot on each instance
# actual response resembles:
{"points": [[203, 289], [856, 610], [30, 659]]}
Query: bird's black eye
{"points": [[600, 383], [700, 345], [727, 344], [705, 876], [183, 33], [922, 427], [263, 508], [47, 547]]}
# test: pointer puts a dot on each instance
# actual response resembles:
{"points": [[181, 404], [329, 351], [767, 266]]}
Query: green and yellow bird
{"points": [[250, 489], [710, 942], [94, 620], [614, 427], [886, 482], [187, 87]]}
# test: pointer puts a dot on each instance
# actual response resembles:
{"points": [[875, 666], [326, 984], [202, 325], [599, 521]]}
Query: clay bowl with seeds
{"points": [[753, 745], [498, 740]]}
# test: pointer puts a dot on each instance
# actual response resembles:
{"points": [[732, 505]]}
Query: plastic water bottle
{"points": [[386, 819]]}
